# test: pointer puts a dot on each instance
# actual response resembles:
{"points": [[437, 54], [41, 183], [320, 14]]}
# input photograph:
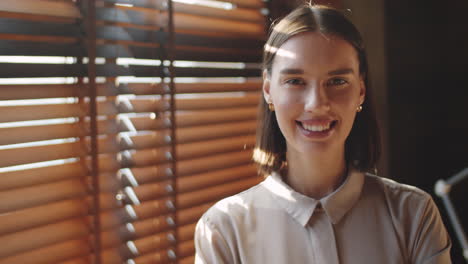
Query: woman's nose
{"points": [[316, 99]]}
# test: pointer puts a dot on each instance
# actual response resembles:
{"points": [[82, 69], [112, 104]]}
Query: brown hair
{"points": [[362, 147]]}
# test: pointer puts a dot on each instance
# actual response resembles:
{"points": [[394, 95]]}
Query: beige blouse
{"points": [[368, 219]]}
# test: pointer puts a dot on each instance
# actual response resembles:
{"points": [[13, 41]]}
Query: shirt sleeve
{"points": [[432, 243], [210, 245]]}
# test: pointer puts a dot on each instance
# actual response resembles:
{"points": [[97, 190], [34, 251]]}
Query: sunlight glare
{"points": [[38, 59], [280, 52], [208, 3]]}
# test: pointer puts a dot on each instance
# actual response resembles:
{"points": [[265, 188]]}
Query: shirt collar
{"points": [[301, 207]]}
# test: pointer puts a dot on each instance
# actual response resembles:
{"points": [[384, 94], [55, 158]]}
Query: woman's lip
{"points": [[316, 122], [319, 135]]}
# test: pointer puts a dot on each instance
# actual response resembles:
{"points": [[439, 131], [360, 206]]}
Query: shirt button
{"points": [[319, 208]]}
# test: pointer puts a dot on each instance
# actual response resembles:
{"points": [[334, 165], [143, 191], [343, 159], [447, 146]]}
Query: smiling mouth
{"points": [[318, 127]]}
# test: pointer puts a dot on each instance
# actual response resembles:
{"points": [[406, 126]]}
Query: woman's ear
{"points": [[266, 86], [362, 90]]}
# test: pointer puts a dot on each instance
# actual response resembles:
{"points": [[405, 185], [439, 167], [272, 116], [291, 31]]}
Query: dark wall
{"points": [[427, 73]]}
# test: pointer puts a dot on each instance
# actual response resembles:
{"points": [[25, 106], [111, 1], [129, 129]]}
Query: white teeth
{"points": [[316, 128]]}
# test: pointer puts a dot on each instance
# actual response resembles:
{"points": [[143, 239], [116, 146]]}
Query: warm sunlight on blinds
{"points": [[192, 62]]}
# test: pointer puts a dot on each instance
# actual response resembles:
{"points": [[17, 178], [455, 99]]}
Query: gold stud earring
{"points": [[271, 107], [359, 108]]}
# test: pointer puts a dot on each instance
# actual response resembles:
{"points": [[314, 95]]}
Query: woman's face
{"points": [[316, 88]]}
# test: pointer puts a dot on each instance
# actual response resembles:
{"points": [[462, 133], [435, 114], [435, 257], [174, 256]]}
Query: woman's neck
{"points": [[318, 176]]}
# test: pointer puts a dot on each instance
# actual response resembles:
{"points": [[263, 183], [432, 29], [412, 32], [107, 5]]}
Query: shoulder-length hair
{"points": [[362, 147]]}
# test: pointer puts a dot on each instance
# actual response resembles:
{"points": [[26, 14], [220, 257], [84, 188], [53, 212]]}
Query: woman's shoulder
{"points": [[395, 189], [415, 217], [404, 202], [235, 206]]}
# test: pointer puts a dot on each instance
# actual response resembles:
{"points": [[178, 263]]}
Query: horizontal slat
{"points": [[250, 99], [49, 111], [217, 55], [243, 14], [35, 112], [112, 70], [109, 255], [186, 232], [51, 254], [76, 248], [34, 17], [25, 155], [148, 192], [41, 175], [207, 179], [215, 116], [14, 70], [142, 176], [181, 21], [115, 49], [188, 151], [187, 260], [131, 17], [188, 135], [184, 38], [180, 88], [23, 134], [40, 46], [22, 45], [41, 215], [210, 147], [84, 260], [22, 198], [158, 4], [197, 165], [249, 3], [195, 118], [32, 154], [187, 200], [193, 22], [39, 91], [60, 210], [107, 31], [219, 161], [158, 241], [215, 193], [149, 227], [184, 249], [17, 92], [74, 170], [70, 229], [43, 236], [46, 8], [36, 195], [39, 39], [146, 215], [214, 72], [24, 27]]}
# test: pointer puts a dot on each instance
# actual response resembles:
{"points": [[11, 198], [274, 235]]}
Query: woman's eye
{"points": [[294, 81], [337, 82]]}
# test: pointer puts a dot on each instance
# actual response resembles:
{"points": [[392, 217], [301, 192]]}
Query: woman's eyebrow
{"points": [[291, 71], [341, 71]]}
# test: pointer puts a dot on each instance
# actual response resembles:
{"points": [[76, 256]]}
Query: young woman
{"points": [[317, 138]]}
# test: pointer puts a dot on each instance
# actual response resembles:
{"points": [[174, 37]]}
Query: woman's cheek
{"points": [[288, 99], [346, 98]]}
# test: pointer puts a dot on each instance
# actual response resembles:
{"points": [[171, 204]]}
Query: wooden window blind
{"points": [[121, 122]]}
